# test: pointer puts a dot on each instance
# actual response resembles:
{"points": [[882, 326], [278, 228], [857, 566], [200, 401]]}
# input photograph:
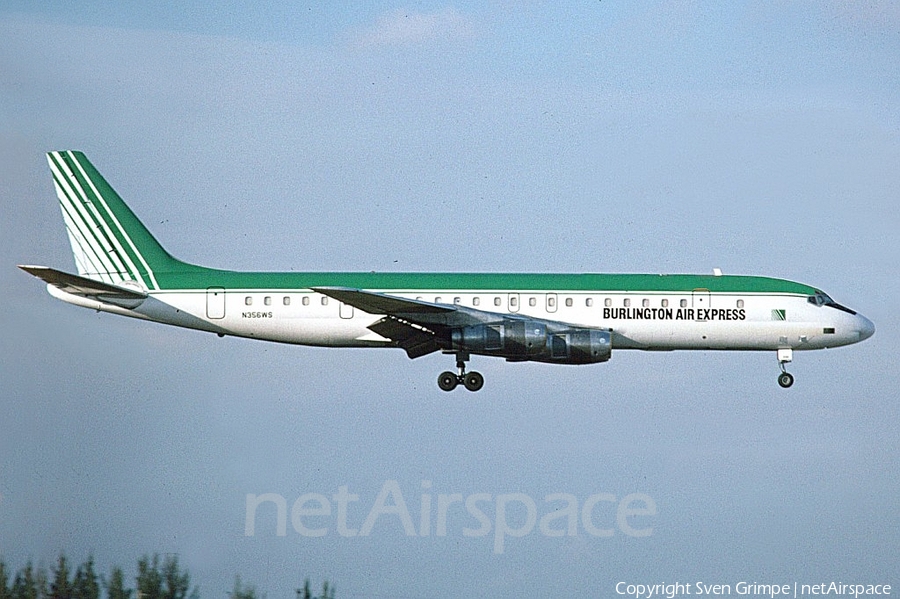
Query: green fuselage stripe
{"points": [[195, 277]]}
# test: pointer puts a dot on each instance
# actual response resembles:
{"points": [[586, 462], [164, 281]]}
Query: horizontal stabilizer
{"points": [[84, 287]]}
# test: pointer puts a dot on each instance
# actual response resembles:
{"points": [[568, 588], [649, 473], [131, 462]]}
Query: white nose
{"points": [[865, 327]]}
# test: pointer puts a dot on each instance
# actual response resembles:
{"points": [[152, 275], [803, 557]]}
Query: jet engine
{"points": [[520, 340]]}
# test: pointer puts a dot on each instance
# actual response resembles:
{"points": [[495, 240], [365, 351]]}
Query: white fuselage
{"points": [[639, 320]]}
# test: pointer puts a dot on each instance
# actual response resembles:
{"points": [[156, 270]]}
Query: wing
{"points": [[423, 327], [417, 326], [379, 303], [84, 287]]}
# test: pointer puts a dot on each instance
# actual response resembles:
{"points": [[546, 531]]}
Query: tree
{"points": [[86, 585], [164, 582], [149, 580], [5, 591], [241, 591], [61, 587], [306, 593], [29, 583], [155, 580], [115, 586], [177, 583]]}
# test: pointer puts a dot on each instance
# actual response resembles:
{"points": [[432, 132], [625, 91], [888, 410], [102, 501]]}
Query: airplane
{"points": [[550, 318]]}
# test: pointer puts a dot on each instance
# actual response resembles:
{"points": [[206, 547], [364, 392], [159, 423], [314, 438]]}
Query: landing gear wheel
{"points": [[448, 381], [785, 379], [473, 381]]}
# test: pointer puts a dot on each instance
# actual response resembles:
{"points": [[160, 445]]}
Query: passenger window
{"points": [[457, 300], [740, 303], [305, 300], [568, 302], [513, 302], [532, 301], [267, 300], [665, 303], [496, 301], [627, 302], [438, 300], [646, 303], [248, 301], [551, 301], [325, 301], [683, 303], [476, 301], [607, 302], [589, 302], [287, 300]]}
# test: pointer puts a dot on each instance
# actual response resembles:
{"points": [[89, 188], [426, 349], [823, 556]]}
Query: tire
{"points": [[448, 381], [785, 379], [474, 381]]}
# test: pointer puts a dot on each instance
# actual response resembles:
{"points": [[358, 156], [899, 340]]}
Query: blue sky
{"points": [[640, 137]]}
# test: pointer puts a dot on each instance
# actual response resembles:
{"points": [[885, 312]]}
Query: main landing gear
{"points": [[473, 381], [785, 379]]}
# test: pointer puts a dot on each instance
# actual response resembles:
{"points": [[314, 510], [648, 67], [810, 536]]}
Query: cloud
{"points": [[401, 27]]}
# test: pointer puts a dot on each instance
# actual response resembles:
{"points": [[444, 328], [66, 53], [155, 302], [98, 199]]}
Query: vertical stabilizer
{"points": [[108, 241]]}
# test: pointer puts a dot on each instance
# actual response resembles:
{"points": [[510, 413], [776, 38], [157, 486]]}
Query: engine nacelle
{"points": [[511, 339], [579, 346], [523, 340]]}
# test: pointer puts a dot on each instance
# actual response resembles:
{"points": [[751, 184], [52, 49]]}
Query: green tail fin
{"points": [[108, 241]]}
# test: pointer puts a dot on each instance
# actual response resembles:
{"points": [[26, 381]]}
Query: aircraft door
{"points": [[551, 302], [700, 300], [215, 302], [513, 302], [346, 311]]}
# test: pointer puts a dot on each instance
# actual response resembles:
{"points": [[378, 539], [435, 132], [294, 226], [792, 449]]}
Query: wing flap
{"points": [[416, 340]]}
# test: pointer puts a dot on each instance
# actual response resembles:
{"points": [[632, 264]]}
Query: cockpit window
{"points": [[822, 299]]}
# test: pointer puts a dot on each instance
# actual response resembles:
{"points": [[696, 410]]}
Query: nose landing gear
{"points": [[785, 379], [473, 381]]}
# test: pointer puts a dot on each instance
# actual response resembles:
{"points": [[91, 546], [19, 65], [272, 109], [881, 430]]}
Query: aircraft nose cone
{"points": [[866, 327]]}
